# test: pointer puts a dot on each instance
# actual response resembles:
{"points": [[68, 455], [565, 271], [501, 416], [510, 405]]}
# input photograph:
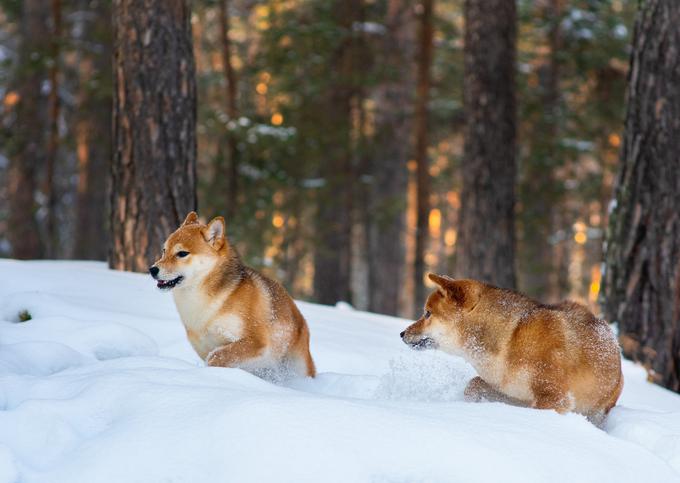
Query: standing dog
{"points": [[233, 315], [557, 357]]}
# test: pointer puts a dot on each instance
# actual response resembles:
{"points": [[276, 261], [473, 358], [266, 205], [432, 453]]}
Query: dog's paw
{"points": [[476, 390], [214, 358]]}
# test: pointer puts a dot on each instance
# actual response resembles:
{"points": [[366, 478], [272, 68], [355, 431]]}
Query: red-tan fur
{"points": [[526, 353], [233, 315]]}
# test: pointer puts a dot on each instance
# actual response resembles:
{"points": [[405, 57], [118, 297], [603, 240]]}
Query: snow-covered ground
{"points": [[102, 386]]}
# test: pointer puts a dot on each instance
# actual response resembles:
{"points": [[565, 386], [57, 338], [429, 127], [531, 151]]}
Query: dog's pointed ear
{"points": [[214, 232], [463, 292], [191, 219]]}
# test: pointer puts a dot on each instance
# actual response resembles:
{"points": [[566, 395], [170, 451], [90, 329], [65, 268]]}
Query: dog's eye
{"points": [[182, 254], [427, 314]]}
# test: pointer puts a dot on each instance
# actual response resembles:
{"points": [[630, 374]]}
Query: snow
{"points": [[102, 385]]}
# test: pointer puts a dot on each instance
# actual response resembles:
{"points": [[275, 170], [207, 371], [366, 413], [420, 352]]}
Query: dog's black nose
{"points": [[402, 334], [153, 270]]}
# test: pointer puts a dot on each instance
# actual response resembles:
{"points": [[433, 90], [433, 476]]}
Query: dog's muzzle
{"points": [[420, 344]]}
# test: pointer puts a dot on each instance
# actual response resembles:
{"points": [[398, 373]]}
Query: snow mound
{"points": [[101, 385]]}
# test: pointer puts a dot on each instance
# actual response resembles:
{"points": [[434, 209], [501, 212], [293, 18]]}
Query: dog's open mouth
{"points": [[168, 284], [424, 343]]}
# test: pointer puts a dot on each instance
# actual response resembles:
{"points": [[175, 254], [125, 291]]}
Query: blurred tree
{"points": [[642, 263], [486, 246], [154, 121], [390, 153], [539, 189], [26, 149], [332, 258], [93, 133], [424, 62], [52, 236], [232, 109]]}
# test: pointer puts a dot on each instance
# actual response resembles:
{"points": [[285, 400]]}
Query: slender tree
{"points": [[390, 154], [52, 236], [27, 149], [332, 257], [232, 108], [486, 247], [642, 263], [424, 62], [154, 119], [540, 274], [93, 135]]}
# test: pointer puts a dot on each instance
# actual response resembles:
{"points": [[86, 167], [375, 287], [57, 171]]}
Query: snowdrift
{"points": [[102, 386]]}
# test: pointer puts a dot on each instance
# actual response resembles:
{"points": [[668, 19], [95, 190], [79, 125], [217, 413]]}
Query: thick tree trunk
{"points": [[424, 60], [154, 119], [332, 258], [232, 110], [642, 278], [93, 140], [392, 147], [486, 249], [26, 148]]}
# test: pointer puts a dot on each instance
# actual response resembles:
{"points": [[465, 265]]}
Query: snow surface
{"points": [[102, 386]]}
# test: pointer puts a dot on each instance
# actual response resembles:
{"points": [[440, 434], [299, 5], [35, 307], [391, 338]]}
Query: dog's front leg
{"points": [[235, 353], [479, 390]]}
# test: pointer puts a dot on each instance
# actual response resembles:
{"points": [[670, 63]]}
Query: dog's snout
{"points": [[402, 334], [153, 270]]}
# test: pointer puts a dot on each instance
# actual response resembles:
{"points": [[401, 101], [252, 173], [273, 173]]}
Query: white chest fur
{"points": [[207, 325]]}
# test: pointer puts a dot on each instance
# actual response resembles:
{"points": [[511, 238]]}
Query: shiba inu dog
{"points": [[526, 353], [233, 315]]}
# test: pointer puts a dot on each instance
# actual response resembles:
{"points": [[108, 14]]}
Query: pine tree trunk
{"points": [[642, 277], [93, 140], [154, 120], [486, 249], [26, 148], [332, 257], [424, 60], [392, 147]]}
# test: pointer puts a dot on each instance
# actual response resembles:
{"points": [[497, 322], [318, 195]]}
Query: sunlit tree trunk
{"points": [[486, 246], [26, 148], [154, 122], [642, 278], [424, 61]]}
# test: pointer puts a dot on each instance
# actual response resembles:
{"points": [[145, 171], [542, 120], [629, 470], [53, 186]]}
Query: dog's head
{"points": [[190, 253], [440, 326]]}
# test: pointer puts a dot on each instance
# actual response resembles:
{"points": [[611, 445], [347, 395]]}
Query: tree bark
{"points": [[154, 123], [486, 249], [93, 139], [332, 257], [392, 147], [232, 110], [642, 261], [26, 148], [424, 60]]}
